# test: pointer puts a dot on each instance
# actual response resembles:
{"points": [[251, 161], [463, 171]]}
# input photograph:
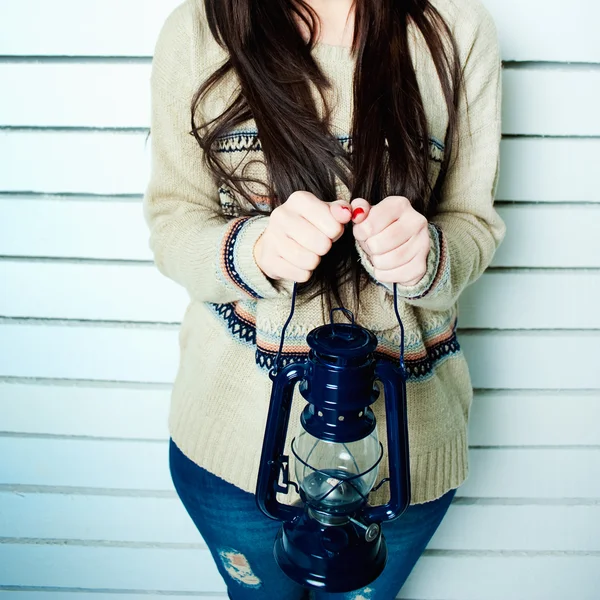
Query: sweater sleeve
{"points": [[467, 230], [192, 243]]}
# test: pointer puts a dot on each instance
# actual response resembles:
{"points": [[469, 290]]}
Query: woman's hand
{"points": [[395, 237], [299, 233]]}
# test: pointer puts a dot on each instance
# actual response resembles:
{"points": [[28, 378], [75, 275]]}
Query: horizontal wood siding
{"points": [[88, 327]]}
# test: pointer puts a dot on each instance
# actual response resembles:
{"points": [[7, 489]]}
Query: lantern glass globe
{"points": [[327, 471]]}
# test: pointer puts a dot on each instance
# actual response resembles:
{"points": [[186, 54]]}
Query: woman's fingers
{"points": [[306, 234], [409, 274], [297, 255], [397, 233], [341, 211], [291, 272], [397, 256], [360, 210], [301, 231], [315, 211]]}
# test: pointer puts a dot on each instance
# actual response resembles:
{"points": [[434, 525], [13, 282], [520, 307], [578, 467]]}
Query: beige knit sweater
{"points": [[231, 329]]}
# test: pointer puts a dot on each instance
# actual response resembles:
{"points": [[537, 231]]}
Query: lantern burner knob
{"points": [[371, 531]]}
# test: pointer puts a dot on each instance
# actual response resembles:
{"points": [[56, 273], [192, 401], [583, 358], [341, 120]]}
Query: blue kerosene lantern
{"points": [[332, 541]]}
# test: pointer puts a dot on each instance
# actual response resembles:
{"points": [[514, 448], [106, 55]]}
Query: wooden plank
{"points": [[527, 29], [550, 236], [93, 464], [494, 470], [114, 229], [135, 465], [99, 229], [128, 412], [499, 578], [25, 594], [24, 27], [537, 100], [513, 418], [504, 360], [88, 291], [112, 519], [535, 418], [548, 170], [89, 352], [97, 162], [532, 473], [139, 293], [131, 520], [104, 569], [519, 528], [532, 360], [434, 578], [497, 360], [93, 162], [76, 94], [531, 300]]}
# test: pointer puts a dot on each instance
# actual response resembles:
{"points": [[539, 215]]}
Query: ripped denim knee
{"points": [[238, 568]]}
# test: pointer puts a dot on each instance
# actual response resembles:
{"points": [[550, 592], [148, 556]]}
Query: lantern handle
{"points": [[275, 368], [273, 462], [394, 388], [347, 312], [401, 357]]}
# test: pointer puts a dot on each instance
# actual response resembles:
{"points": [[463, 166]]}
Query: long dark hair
{"points": [[274, 66]]}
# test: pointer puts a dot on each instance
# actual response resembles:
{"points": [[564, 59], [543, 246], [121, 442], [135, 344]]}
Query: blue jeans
{"points": [[240, 538]]}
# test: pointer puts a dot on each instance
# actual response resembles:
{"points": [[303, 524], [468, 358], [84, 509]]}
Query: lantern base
{"points": [[334, 559]]}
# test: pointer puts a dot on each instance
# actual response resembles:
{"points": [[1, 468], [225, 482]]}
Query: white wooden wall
{"points": [[88, 327]]}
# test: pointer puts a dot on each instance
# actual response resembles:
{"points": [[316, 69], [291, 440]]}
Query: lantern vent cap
{"points": [[343, 340]]}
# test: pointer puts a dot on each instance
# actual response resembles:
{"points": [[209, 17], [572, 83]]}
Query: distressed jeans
{"points": [[240, 538]]}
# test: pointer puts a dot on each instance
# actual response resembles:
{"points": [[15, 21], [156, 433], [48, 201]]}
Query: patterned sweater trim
{"points": [[228, 257], [420, 360], [248, 141]]}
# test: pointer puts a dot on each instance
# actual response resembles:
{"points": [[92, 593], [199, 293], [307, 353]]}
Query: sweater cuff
{"points": [[236, 264], [437, 265]]}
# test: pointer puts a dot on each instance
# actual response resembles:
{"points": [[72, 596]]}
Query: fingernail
{"points": [[345, 207], [357, 212]]}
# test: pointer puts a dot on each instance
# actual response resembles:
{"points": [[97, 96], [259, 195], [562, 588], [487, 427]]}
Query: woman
{"points": [[347, 147]]}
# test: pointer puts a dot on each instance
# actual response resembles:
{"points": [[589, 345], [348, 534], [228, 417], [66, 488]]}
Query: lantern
{"points": [[332, 539]]}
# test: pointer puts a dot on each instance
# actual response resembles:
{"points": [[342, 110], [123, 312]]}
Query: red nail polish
{"points": [[345, 208], [357, 212]]}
